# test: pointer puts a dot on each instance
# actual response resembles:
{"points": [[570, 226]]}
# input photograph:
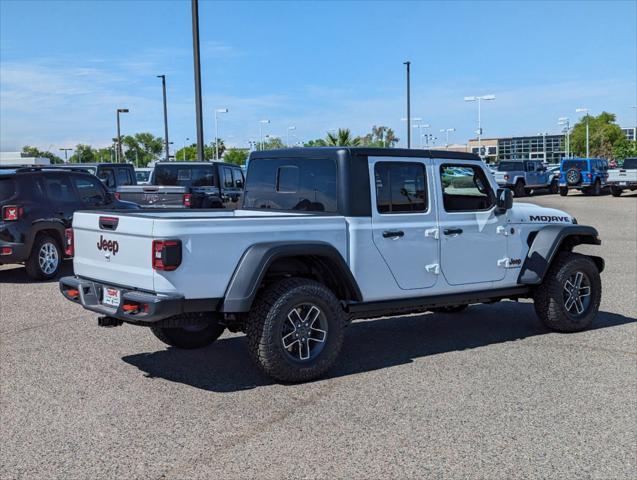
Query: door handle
{"points": [[452, 231], [393, 234]]}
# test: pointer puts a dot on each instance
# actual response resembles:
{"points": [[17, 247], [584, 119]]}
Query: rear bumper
{"points": [[154, 307], [19, 252]]}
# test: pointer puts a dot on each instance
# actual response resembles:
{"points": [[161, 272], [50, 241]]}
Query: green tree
{"points": [[238, 156], [319, 142], [271, 143], [142, 148], [83, 154], [604, 133], [342, 138], [34, 152], [380, 137], [624, 148], [189, 153]]}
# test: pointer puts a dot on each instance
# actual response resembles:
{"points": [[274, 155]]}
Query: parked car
{"points": [[623, 178], [524, 176], [189, 185], [142, 175], [113, 175], [37, 207], [586, 174], [327, 235]]}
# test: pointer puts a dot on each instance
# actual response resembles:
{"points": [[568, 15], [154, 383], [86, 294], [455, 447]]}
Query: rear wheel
{"points": [[615, 191], [596, 189], [554, 187], [519, 190], [189, 337], [568, 299], [563, 191], [45, 259], [295, 330]]}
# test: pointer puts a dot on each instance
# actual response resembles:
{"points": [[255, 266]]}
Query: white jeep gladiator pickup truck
{"points": [[327, 235], [623, 178]]}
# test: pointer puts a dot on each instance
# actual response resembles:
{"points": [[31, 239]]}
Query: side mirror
{"points": [[504, 200]]}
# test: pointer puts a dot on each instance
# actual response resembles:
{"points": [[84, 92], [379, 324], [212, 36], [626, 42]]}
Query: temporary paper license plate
{"points": [[111, 297]]}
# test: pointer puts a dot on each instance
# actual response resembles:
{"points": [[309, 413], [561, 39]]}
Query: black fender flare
{"points": [[41, 225], [547, 243], [256, 260]]}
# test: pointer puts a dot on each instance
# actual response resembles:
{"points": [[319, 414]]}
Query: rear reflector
{"points": [[187, 199], [166, 254], [6, 251], [117, 195], [11, 213], [71, 292], [69, 247]]}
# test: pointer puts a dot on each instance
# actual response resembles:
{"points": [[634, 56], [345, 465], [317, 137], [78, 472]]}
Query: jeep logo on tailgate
{"points": [[108, 245]]}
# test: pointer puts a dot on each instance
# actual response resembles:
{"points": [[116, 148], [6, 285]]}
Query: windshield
{"points": [[630, 163], [142, 176], [510, 166], [185, 175], [7, 188], [577, 164]]}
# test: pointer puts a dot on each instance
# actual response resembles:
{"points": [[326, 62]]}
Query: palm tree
{"points": [[342, 138]]}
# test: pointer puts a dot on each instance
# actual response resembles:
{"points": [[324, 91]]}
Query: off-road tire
{"points": [[554, 187], [451, 309], [573, 176], [182, 337], [596, 189], [266, 321], [549, 296], [563, 191], [518, 190], [32, 263], [615, 191]]}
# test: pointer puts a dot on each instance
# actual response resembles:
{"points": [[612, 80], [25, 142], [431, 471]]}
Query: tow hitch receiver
{"points": [[109, 322]]}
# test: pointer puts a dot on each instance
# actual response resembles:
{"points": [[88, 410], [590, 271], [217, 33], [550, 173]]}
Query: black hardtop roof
{"points": [[196, 162], [353, 152], [6, 170]]}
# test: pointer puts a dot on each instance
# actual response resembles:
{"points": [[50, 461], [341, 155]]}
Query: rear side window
{"points": [[107, 175], [400, 187], [237, 176], [7, 188], [91, 192], [292, 184], [227, 178], [33, 187], [465, 188], [124, 177], [59, 189]]}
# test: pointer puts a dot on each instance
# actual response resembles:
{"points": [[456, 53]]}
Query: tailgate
{"points": [[114, 248], [154, 195]]}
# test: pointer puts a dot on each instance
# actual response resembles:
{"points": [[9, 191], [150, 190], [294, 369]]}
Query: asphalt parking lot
{"points": [[488, 393]]}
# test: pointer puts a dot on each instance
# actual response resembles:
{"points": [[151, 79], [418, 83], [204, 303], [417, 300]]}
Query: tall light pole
{"points": [[163, 86], [197, 67], [218, 110], [119, 135], [479, 130], [447, 131], [408, 64], [420, 127], [585, 110], [290, 128], [261, 123], [66, 153], [564, 121]]}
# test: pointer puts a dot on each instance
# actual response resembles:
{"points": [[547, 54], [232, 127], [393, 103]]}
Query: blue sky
{"points": [[66, 66]]}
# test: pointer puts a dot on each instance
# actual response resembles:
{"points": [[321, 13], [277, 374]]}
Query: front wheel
{"points": [[563, 191], [568, 299], [518, 190], [596, 190], [615, 191], [295, 330], [189, 337], [554, 187]]}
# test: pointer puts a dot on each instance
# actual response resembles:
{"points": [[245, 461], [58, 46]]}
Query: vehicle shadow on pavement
{"points": [[18, 274], [225, 366]]}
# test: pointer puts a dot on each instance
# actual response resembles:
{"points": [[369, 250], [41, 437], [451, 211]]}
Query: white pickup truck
{"points": [[623, 178], [327, 235]]}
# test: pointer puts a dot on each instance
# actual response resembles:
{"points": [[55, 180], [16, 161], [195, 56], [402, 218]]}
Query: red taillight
{"points": [[186, 199], [166, 254], [69, 248], [6, 251], [588, 175], [117, 195], [73, 293], [11, 213]]}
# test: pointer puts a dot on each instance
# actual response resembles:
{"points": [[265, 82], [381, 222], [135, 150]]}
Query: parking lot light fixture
{"points": [[119, 135], [66, 153], [447, 131], [585, 111], [261, 123], [166, 143], [565, 122], [217, 111], [479, 99]]}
